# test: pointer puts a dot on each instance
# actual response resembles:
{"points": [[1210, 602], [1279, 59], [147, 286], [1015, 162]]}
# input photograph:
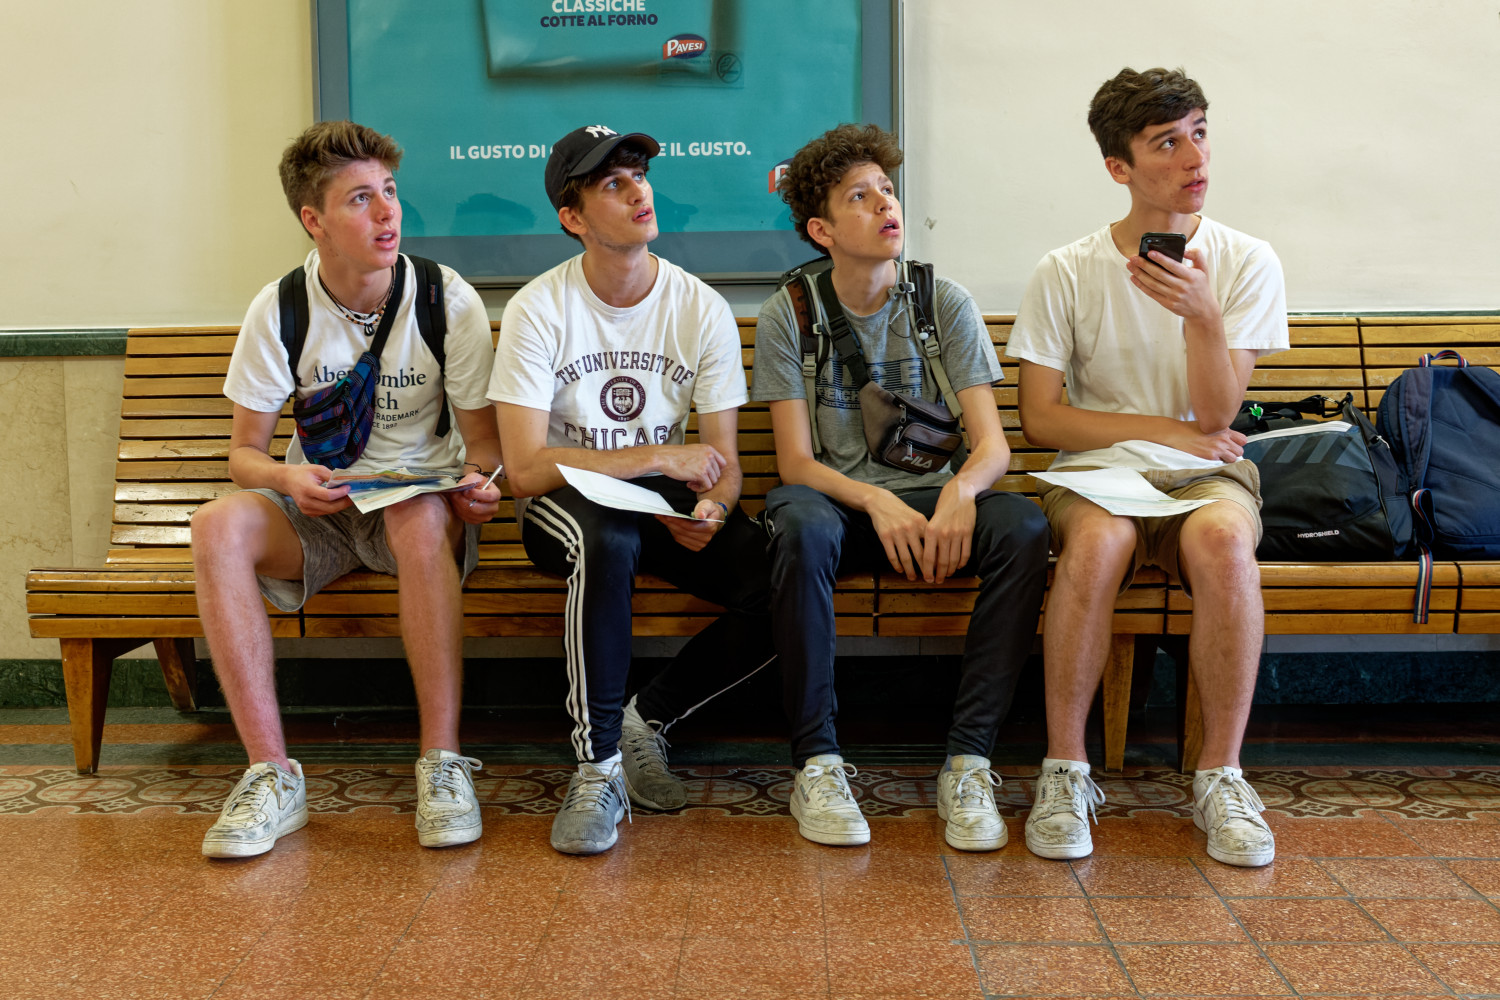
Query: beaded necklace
{"points": [[367, 321]]}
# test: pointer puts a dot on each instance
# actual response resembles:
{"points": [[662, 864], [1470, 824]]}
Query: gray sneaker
{"points": [[1058, 826], [966, 800], [1227, 809], [447, 808], [644, 749], [267, 803], [590, 811]]}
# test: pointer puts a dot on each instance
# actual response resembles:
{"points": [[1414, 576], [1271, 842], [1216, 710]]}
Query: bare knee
{"points": [[1219, 547], [1097, 546], [421, 528], [228, 526]]}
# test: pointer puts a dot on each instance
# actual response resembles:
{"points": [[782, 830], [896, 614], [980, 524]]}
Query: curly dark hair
{"points": [[1133, 101], [627, 154], [819, 166], [317, 155]]}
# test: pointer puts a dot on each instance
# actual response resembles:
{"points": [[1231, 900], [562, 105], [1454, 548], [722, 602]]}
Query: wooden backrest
{"points": [[174, 426]]}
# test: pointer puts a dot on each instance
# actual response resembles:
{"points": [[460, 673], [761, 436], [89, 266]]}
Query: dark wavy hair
{"points": [[317, 155], [627, 154], [819, 166], [1133, 101]]}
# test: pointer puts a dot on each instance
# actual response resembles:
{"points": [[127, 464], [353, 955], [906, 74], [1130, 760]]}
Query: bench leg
{"points": [[1190, 733], [179, 668], [1117, 676], [87, 664]]}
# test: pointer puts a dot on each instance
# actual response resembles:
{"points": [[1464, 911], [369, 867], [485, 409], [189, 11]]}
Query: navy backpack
{"points": [[1443, 425]]}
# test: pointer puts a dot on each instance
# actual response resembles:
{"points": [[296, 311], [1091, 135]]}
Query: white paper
{"points": [[1121, 491], [611, 492], [1315, 427]]}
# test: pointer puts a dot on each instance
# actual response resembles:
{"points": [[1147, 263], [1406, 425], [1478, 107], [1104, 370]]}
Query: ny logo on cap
{"points": [[600, 131]]}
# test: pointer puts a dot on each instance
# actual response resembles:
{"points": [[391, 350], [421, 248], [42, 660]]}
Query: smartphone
{"points": [[1171, 244]]}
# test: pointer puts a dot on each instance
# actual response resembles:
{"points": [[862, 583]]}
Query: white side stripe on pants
{"points": [[558, 523]]}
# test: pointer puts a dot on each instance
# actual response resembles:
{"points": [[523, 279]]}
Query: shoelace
{"points": [[976, 783], [445, 775], [1065, 789], [251, 796], [830, 781], [592, 793], [1237, 800], [648, 747]]}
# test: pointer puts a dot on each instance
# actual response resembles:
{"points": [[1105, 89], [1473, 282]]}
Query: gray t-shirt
{"points": [[895, 361]]}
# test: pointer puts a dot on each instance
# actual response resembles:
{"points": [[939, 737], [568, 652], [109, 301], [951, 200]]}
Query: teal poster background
{"points": [[476, 91]]}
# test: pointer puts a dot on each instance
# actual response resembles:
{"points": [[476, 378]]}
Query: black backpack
{"points": [[916, 281], [1444, 427], [291, 296]]}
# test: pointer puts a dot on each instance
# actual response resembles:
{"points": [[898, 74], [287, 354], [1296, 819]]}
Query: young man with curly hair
{"points": [[599, 362], [286, 534], [840, 510], [1157, 355]]}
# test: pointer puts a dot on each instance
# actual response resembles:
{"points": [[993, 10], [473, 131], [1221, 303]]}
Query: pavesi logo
{"points": [[684, 47], [774, 178]]}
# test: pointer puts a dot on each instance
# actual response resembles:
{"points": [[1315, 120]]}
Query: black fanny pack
{"points": [[901, 431]]}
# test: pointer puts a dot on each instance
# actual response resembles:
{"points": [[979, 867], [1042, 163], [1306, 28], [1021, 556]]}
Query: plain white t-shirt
{"points": [[1122, 352], [618, 378], [408, 401]]}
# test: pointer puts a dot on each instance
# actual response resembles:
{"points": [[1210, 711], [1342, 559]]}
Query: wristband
{"points": [[722, 506]]}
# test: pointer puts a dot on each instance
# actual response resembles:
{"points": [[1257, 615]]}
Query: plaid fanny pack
{"points": [[333, 424]]}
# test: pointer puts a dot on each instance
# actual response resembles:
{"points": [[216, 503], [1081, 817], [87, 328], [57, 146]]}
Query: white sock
{"points": [[1058, 763], [609, 762]]}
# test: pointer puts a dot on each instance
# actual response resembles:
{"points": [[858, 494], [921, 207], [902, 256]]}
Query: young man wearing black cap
{"points": [[599, 361]]}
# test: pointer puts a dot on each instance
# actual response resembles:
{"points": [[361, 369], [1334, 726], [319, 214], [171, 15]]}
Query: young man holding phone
{"points": [[1157, 354], [844, 509], [600, 361], [286, 534]]}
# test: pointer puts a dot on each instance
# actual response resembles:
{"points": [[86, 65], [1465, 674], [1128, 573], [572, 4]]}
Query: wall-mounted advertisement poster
{"points": [[476, 91]]}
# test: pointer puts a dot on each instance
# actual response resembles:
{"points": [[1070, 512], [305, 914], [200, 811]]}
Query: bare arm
{"points": [[720, 431], [1051, 423], [481, 448], [531, 466], [1217, 376], [252, 467]]}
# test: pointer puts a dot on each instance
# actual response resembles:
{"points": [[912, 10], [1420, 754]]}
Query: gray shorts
{"points": [[339, 543]]}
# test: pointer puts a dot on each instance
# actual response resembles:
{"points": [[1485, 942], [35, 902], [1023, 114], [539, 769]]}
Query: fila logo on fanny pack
{"points": [[600, 131]]}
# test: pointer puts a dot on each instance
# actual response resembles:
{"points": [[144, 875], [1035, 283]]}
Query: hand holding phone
{"points": [[1173, 245]]}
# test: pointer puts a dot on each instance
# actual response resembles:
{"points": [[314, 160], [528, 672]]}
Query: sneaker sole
{"points": [[450, 838], [586, 846], [214, 848], [852, 839], [1061, 852], [646, 803], [1258, 859], [972, 843]]}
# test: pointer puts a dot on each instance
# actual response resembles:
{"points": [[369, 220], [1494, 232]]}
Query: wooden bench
{"points": [[174, 433]]}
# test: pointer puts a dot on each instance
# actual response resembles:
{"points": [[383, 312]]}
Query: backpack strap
{"points": [[799, 293], [836, 325], [291, 297], [919, 285], [432, 321]]}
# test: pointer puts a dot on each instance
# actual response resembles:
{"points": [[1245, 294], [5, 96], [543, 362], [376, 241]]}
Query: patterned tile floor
{"points": [[1387, 883]]}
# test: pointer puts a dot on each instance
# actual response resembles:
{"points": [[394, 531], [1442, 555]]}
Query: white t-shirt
{"points": [[1122, 352], [408, 401], [618, 378]]}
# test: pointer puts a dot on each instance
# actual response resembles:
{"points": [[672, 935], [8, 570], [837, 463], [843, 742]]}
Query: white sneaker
{"points": [[267, 803], [824, 806], [447, 808], [966, 799], [644, 750], [1227, 809], [1058, 826]]}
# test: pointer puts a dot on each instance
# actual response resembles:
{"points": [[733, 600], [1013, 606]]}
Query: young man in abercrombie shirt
{"points": [[1157, 355], [287, 534], [600, 361]]}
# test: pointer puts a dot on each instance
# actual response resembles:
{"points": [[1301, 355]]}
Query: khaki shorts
{"points": [[339, 543], [1156, 537]]}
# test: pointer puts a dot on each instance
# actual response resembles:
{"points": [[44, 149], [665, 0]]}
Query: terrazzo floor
{"points": [[1386, 883]]}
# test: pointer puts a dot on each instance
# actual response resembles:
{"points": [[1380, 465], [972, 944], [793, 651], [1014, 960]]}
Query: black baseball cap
{"points": [[583, 149]]}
